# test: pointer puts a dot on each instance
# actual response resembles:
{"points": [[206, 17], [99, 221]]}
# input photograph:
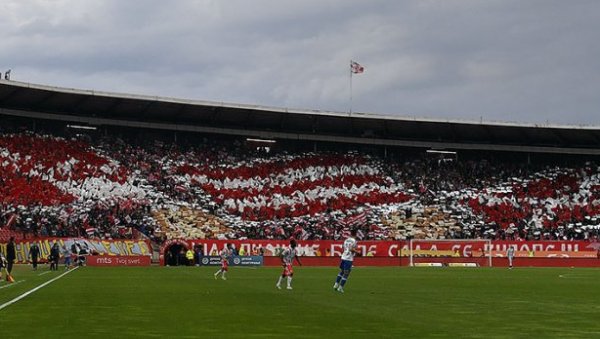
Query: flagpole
{"points": [[350, 87]]}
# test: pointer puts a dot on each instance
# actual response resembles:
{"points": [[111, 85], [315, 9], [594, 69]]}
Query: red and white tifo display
{"points": [[113, 187]]}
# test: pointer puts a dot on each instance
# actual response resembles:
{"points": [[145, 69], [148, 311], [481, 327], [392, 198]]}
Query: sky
{"points": [[529, 61]]}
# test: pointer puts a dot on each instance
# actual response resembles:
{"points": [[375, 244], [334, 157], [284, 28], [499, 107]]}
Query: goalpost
{"points": [[450, 252]]}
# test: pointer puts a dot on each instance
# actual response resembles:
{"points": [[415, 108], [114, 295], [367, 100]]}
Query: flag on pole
{"points": [[90, 231], [356, 68], [11, 220]]}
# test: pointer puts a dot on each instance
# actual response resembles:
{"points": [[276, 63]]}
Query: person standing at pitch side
{"points": [[34, 253], [54, 256], [11, 256]]}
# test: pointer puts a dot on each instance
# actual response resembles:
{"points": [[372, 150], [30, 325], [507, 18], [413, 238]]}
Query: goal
{"points": [[454, 252]]}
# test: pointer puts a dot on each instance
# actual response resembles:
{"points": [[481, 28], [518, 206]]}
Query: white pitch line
{"points": [[44, 273], [13, 284], [8, 303], [575, 276]]}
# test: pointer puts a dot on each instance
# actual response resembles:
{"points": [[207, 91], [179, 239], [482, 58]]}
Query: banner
{"points": [[233, 261], [548, 254], [562, 246], [105, 260], [210, 261], [308, 248], [371, 248], [254, 260], [476, 248], [312, 248], [93, 246]]}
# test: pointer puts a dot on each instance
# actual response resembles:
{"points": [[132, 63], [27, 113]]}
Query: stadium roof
{"points": [[104, 108]]}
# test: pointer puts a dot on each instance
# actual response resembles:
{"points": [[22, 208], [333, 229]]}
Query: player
{"points": [[67, 254], [510, 254], [287, 258], [225, 254], [346, 264], [3, 264]]}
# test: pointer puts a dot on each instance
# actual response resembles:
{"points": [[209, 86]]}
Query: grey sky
{"points": [[496, 60]]}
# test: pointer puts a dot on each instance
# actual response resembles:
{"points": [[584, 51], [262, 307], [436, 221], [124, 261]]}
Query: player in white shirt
{"points": [[510, 254], [347, 260], [2, 264], [287, 258], [225, 254]]}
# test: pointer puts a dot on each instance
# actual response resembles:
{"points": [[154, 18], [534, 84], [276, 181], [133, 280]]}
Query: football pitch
{"points": [[187, 302]]}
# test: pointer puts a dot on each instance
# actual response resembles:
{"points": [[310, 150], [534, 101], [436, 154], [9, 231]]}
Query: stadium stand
{"points": [[165, 168], [110, 186]]}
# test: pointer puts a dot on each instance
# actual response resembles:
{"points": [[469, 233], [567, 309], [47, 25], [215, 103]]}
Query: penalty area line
{"points": [[8, 303]]}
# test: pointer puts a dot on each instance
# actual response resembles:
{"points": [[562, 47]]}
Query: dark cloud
{"points": [[505, 60]]}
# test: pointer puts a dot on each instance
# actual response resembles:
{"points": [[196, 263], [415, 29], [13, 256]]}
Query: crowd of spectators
{"points": [[114, 188]]}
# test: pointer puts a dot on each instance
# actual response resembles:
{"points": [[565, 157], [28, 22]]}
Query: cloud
{"points": [[506, 60]]}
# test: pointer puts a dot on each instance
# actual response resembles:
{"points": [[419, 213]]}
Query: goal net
{"points": [[457, 252]]}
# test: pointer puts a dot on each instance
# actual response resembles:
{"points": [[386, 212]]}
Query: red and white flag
{"points": [[356, 68], [355, 221], [11, 220]]}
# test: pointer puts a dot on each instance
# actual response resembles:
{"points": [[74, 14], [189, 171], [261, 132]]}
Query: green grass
{"points": [[186, 302]]}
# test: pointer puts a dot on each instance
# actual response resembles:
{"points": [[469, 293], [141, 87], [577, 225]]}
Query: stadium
{"points": [[145, 193]]}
